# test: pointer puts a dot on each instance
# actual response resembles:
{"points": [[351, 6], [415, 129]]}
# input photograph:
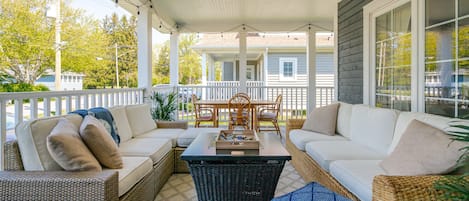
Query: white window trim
{"points": [[370, 12], [294, 68]]}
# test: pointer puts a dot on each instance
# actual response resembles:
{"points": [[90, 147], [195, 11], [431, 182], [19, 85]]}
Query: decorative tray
{"points": [[237, 139]]}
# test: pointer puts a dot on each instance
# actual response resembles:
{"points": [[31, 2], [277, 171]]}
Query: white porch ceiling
{"points": [[228, 15]]}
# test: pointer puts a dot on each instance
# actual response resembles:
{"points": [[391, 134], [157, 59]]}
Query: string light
{"points": [[138, 10], [221, 34]]}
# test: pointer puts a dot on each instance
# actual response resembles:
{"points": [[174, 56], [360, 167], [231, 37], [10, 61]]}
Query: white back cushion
{"points": [[343, 119], [405, 118], [373, 127], [122, 123], [140, 119], [32, 141]]}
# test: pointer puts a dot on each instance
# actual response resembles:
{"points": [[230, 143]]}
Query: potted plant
{"points": [[163, 106], [456, 187]]}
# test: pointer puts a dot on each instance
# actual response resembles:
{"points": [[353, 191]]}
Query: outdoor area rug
{"points": [[180, 187]]}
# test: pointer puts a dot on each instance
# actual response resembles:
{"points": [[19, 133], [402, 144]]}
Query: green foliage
{"points": [[161, 65], [456, 187], [163, 106], [22, 87]]}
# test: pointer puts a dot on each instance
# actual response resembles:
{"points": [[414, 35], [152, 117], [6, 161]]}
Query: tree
{"points": [[25, 39], [190, 70], [161, 65]]}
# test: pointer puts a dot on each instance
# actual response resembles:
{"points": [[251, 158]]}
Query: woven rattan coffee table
{"points": [[218, 175]]}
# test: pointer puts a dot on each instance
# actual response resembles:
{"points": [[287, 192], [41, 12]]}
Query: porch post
{"points": [[203, 62], [242, 61], [265, 68], [311, 63], [144, 51], [174, 59]]}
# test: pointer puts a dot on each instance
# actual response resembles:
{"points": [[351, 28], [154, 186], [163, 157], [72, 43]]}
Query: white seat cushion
{"points": [[373, 127], [32, 142], [301, 137], [165, 133], [343, 119], [122, 123], [357, 176], [325, 152], [186, 138], [154, 148], [135, 168], [140, 119]]}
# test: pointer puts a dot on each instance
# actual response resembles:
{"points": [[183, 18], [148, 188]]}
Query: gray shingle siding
{"points": [[324, 63], [350, 50]]}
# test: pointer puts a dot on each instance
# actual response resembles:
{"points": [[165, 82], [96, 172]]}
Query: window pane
{"points": [[463, 7], [463, 38], [402, 87], [401, 19], [463, 79], [439, 80], [288, 69], [437, 11], [383, 26], [383, 101], [439, 43], [439, 107]]}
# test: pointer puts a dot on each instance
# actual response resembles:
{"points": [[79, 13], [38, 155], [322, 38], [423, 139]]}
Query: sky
{"points": [[100, 8]]}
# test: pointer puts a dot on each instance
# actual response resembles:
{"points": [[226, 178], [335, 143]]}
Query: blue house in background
{"points": [[70, 80]]}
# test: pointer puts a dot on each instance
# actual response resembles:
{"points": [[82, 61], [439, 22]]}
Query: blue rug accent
{"points": [[311, 192]]}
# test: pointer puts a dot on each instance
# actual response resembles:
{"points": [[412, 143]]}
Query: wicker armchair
{"points": [[385, 188], [239, 107], [203, 113], [270, 114]]}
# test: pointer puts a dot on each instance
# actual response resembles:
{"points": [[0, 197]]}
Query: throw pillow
{"points": [[322, 120], [423, 150], [140, 119], [100, 142], [68, 150]]}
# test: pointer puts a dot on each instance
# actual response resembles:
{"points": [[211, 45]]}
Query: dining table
{"points": [[223, 104]]}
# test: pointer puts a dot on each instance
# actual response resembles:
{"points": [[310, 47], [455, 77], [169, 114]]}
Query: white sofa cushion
{"points": [[122, 123], [322, 119], [357, 176], [140, 119], [186, 138], [301, 137], [135, 168], [325, 152], [343, 119], [165, 133], [154, 148], [373, 127], [405, 118], [32, 142]]}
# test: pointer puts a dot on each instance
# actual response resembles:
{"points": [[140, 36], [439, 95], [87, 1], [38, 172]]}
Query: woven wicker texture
{"points": [[232, 182], [180, 166], [61, 185], [12, 155], [172, 124], [163, 170]]}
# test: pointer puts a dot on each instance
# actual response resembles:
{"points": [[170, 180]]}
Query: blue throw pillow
{"points": [[106, 118], [310, 192]]}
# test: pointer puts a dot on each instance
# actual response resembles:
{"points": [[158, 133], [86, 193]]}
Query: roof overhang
{"points": [[229, 15]]}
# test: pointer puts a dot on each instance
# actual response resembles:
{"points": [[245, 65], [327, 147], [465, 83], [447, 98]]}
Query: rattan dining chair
{"points": [[239, 107], [203, 113], [270, 114]]}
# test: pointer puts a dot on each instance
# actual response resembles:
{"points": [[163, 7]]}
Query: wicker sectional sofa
{"points": [[150, 152], [348, 162]]}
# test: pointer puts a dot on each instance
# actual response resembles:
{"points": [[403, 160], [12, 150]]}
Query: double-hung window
{"points": [[288, 68]]}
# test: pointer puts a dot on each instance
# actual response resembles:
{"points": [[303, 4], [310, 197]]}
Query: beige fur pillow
{"points": [[423, 150], [100, 142], [68, 150], [322, 120]]}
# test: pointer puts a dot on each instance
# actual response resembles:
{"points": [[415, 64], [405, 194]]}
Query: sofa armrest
{"points": [[59, 185], [172, 124], [389, 188], [12, 157], [294, 124]]}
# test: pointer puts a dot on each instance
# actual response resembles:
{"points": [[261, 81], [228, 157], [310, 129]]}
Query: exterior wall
{"points": [[350, 50], [227, 71], [324, 69], [68, 82]]}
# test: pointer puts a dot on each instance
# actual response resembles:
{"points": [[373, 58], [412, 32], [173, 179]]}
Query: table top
{"points": [[225, 102], [203, 148]]}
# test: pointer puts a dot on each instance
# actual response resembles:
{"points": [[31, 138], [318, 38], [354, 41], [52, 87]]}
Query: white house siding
{"points": [[227, 71]]}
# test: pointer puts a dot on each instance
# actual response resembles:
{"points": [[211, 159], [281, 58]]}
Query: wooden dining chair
{"points": [[270, 114], [239, 107], [203, 113]]}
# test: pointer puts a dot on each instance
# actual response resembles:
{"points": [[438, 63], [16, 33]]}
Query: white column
{"points": [[174, 59], [144, 49], [265, 68], [311, 64], [203, 62], [242, 61]]}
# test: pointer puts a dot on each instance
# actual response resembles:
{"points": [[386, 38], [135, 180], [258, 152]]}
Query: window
{"points": [[288, 68], [447, 57]]}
